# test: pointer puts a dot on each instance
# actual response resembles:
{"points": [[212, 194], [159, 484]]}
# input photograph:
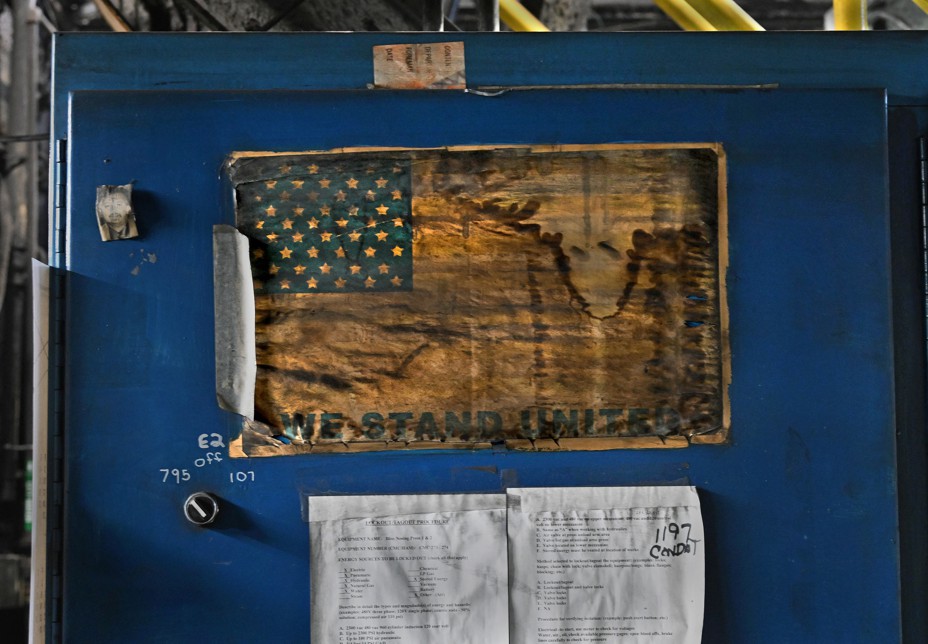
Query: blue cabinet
{"points": [[801, 508]]}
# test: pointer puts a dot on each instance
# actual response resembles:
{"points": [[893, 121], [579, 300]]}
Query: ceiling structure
{"points": [[430, 15]]}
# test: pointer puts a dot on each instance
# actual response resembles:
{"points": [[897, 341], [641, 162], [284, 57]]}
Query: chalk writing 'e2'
{"points": [[205, 441]]}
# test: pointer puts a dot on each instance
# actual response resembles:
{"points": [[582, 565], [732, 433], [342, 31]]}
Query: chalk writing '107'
{"points": [[673, 540]]}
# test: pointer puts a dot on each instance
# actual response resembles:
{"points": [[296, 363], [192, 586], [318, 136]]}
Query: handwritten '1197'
{"points": [[676, 547]]}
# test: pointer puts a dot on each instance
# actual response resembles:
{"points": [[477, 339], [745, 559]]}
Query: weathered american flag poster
{"points": [[555, 297]]}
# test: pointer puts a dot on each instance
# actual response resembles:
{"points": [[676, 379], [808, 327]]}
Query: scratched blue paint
{"points": [[800, 509]]}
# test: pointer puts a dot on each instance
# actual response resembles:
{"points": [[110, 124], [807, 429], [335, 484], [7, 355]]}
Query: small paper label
{"points": [[422, 66]]}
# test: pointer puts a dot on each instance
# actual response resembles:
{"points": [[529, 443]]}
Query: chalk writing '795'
{"points": [[673, 540], [176, 474]]}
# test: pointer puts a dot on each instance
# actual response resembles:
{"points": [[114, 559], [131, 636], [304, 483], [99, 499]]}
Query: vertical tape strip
{"points": [[234, 303]]}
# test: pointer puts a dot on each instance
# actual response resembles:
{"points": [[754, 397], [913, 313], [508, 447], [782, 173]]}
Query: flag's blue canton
{"points": [[330, 226]]}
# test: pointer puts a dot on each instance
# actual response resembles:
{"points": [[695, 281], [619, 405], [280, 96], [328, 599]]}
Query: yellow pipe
{"points": [[111, 15], [850, 15], [685, 16], [922, 4], [726, 15], [518, 18]]}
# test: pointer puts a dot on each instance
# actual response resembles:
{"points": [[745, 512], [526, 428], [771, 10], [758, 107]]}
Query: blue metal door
{"points": [[800, 508]]}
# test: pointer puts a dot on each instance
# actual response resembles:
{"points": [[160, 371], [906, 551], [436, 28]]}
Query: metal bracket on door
{"points": [[56, 389], [923, 187]]}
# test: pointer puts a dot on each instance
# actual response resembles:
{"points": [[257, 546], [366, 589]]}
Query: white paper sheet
{"points": [[606, 565], [408, 569]]}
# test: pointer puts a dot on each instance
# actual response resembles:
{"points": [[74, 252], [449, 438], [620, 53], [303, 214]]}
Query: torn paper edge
{"points": [[565, 499], [335, 508], [40, 312], [234, 302]]}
